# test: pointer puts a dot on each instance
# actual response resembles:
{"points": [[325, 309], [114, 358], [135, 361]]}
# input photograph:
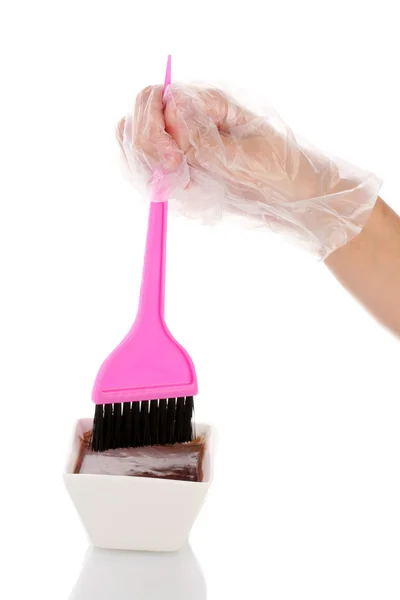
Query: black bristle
{"points": [[117, 425], [180, 421], [170, 428], [188, 427], [145, 424], [154, 420], [97, 434], [108, 426], [135, 431], [162, 422], [126, 425]]}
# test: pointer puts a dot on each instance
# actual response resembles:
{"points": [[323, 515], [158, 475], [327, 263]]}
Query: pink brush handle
{"points": [[152, 293]]}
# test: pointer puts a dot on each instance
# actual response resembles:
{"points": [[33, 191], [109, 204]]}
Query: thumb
{"points": [[200, 121]]}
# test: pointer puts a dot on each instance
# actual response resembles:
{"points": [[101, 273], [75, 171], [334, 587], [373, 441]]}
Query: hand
{"points": [[219, 156]]}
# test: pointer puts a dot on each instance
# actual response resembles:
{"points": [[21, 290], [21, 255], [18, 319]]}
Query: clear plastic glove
{"points": [[219, 157]]}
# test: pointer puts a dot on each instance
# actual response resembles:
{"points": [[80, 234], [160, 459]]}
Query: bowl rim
{"points": [[84, 423]]}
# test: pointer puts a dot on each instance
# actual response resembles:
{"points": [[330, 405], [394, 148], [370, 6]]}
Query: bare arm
{"points": [[369, 266]]}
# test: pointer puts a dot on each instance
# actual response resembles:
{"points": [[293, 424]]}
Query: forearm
{"points": [[369, 266]]}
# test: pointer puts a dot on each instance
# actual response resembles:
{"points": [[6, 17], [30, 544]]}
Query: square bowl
{"points": [[123, 512]]}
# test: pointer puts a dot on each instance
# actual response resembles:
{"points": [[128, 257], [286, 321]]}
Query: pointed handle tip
{"points": [[167, 80]]}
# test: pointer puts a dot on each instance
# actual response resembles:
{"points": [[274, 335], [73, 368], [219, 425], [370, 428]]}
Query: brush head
{"points": [[145, 423]]}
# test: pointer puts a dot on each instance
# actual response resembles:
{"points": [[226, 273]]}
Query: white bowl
{"points": [[137, 513]]}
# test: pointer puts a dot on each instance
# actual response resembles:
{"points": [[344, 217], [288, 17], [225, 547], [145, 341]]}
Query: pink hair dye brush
{"points": [[144, 390]]}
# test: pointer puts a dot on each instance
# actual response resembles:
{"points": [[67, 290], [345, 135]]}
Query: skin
{"points": [[369, 266]]}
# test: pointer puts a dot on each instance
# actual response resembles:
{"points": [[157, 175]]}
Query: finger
{"points": [[148, 118], [120, 134], [150, 140], [194, 118], [199, 119]]}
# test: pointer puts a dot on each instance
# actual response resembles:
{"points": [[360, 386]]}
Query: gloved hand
{"points": [[219, 157]]}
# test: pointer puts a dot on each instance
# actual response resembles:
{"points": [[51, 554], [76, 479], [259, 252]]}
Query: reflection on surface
{"points": [[120, 575]]}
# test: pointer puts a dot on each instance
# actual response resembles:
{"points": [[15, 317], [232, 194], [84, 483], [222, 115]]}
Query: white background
{"points": [[301, 383]]}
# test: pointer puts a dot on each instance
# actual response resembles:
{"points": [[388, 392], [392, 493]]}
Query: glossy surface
{"points": [[179, 462]]}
